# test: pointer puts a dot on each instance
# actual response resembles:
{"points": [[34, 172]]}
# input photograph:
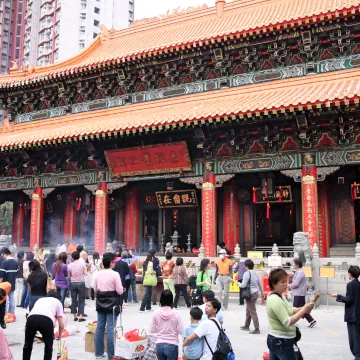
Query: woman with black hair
{"points": [[203, 278], [180, 276], [148, 267], [168, 325], [37, 282]]}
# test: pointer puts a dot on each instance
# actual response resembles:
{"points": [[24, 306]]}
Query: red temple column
{"points": [[324, 219], [18, 221], [37, 218], [209, 214], [69, 218], [230, 218], [101, 218], [310, 202], [131, 236]]}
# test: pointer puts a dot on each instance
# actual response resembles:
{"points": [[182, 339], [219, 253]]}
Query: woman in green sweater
{"points": [[203, 278], [282, 318]]}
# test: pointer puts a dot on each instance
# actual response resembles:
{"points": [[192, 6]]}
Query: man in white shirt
{"points": [[207, 296], [207, 330]]}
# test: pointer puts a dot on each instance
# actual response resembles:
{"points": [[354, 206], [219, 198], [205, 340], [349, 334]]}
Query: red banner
{"points": [[209, 223], [36, 219], [69, 218], [131, 220], [154, 159], [229, 215], [324, 219], [309, 204], [100, 219]]}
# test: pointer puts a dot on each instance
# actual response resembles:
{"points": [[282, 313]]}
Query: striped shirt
{"points": [[8, 271], [279, 311]]}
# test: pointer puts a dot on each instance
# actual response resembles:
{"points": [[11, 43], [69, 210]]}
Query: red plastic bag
{"points": [[266, 356], [5, 353], [9, 318], [132, 335]]}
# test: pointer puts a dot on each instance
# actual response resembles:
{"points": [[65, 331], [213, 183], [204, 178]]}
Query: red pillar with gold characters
{"points": [[324, 219], [37, 218], [101, 218], [18, 221], [230, 211], [131, 235], [69, 218], [208, 209], [310, 200]]}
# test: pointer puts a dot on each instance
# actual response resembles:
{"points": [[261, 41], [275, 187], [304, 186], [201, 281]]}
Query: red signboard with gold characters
{"points": [[154, 159]]}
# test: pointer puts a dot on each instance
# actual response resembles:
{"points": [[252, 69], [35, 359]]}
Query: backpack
{"points": [[192, 281], [223, 350]]}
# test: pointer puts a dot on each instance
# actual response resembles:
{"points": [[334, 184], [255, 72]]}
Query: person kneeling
{"points": [[42, 318]]}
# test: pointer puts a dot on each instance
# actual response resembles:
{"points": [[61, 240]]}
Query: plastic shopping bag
{"points": [[5, 353], [132, 335]]}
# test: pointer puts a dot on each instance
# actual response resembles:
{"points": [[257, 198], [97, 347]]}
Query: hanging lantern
{"points": [[354, 191], [267, 211], [266, 187], [254, 195], [280, 194]]}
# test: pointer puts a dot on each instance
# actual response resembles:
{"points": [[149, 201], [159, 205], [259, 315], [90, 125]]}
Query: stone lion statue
{"points": [[302, 248]]}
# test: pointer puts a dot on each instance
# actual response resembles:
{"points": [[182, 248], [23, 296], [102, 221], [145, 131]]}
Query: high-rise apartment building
{"points": [[41, 32]]}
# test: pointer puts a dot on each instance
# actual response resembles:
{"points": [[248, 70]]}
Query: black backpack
{"points": [[223, 350]]}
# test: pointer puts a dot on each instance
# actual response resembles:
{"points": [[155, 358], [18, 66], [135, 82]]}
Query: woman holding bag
{"points": [[150, 280]]}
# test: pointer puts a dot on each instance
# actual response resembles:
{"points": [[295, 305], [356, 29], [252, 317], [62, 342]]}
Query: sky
{"points": [[150, 8]]}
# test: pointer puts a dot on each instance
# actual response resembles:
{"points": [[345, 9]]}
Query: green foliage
{"points": [[6, 218]]}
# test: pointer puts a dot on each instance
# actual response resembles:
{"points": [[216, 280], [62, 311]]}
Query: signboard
{"points": [[153, 159], [275, 197], [327, 272], [255, 254], [274, 261], [175, 199], [234, 287], [308, 271]]}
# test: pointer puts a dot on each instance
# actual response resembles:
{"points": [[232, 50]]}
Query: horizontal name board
{"points": [[286, 195], [174, 199]]}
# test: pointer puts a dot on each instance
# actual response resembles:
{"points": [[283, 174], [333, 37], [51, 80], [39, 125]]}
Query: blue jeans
{"points": [[132, 291], [281, 349], [32, 300], [167, 351], [108, 320], [10, 302], [24, 294], [146, 301], [62, 293]]}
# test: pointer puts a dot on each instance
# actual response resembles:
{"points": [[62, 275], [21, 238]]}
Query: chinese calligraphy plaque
{"points": [[175, 199]]}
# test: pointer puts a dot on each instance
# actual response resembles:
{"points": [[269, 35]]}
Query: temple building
{"points": [[235, 123]]}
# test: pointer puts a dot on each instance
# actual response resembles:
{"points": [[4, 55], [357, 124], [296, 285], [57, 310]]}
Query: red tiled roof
{"points": [[293, 94], [241, 18]]}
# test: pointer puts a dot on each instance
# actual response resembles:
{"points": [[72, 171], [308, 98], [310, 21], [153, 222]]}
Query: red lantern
{"points": [[280, 194], [354, 191], [266, 190], [268, 211], [254, 195]]}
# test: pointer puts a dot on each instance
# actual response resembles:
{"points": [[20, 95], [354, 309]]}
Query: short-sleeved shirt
{"points": [[8, 271], [76, 271], [194, 350], [207, 329], [279, 310], [224, 266], [49, 307], [203, 277], [167, 269], [38, 283]]}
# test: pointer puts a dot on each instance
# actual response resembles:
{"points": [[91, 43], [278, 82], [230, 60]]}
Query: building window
{"points": [[97, 11], [95, 35], [96, 23]]}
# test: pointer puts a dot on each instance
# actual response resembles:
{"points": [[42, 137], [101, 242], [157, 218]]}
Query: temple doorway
{"points": [[274, 225]]}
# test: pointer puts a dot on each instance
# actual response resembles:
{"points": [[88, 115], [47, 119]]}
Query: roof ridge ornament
{"points": [[104, 34]]}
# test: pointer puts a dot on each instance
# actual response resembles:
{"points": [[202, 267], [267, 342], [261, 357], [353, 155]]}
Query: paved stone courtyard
{"points": [[327, 341]]}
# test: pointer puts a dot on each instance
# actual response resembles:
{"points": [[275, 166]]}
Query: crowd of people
{"points": [[44, 285]]}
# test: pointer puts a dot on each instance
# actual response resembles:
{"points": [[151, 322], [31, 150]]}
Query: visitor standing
{"points": [[49, 262], [108, 289], [94, 268], [240, 270], [43, 317], [26, 272], [282, 317], [77, 272], [180, 276], [148, 268], [122, 268], [60, 274], [37, 282], [167, 268], [352, 309], [125, 258], [223, 275], [251, 278], [203, 279], [298, 289], [167, 324], [5, 288], [157, 270], [20, 277], [208, 329], [8, 271]]}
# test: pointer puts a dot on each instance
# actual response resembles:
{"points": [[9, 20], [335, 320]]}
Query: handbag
{"points": [[50, 284], [246, 293]]}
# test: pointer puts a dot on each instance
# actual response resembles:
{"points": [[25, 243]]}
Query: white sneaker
{"points": [[103, 356], [125, 304], [148, 310], [142, 311]]}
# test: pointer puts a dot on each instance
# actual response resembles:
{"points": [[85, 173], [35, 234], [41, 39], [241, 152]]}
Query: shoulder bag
{"points": [[150, 278], [246, 293]]}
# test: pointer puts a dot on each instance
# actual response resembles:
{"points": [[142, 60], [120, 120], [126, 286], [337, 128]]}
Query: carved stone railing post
{"points": [[201, 252], [237, 252]]}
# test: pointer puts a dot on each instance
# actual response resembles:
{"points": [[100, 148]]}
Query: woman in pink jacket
{"points": [[167, 323]]}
